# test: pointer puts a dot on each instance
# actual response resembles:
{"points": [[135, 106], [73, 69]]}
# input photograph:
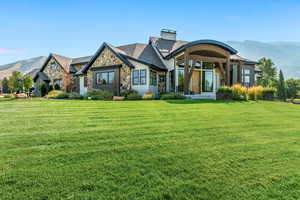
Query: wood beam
{"points": [[186, 71], [239, 72], [180, 60], [228, 72]]}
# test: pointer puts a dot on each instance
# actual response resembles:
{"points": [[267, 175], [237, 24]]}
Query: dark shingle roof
{"points": [[81, 60], [42, 76], [245, 60], [144, 53], [166, 46]]}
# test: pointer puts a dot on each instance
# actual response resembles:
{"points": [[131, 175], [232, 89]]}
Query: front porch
{"points": [[202, 67]]}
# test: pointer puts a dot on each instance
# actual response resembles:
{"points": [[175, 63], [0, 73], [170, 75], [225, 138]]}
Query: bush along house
{"points": [[196, 69]]}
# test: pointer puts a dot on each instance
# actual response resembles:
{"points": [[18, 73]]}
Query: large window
{"points": [[153, 78], [246, 77], [105, 78], [180, 79], [139, 77], [207, 81]]}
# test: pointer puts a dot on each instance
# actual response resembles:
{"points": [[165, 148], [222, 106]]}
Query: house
{"points": [[164, 64], [59, 70]]}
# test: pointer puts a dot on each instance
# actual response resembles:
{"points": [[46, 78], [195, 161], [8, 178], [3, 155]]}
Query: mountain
{"points": [[285, 55], [28, 66]]}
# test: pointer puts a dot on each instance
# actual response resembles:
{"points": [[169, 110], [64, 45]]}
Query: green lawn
{"points": [[149, 150]]}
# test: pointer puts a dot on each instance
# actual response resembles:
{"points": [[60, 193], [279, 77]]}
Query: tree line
{"points": [[17, 83], [289, 88]]}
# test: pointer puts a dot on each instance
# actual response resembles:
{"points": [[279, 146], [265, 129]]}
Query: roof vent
{"points": [[168, 34]]}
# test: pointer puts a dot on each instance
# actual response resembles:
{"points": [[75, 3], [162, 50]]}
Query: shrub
{"points": [[128, 92], [43, 89], [239, 92], [50, 88], [268, 93], [75, 95], [255, 92], [172, 95], [95, 94], [134, 96], [225, 93], [53, 94], [148, 96], [63, 95], [107, 96], [56, 87]]}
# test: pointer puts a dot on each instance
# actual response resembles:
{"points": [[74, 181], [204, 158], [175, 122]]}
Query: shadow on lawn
{"points": [[193, 101]]}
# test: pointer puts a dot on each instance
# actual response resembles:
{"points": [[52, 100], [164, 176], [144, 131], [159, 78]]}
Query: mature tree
{"points": [[5, 88], [28, 82], [292, 87], [15, 82], [281, 89], [269, 72]]}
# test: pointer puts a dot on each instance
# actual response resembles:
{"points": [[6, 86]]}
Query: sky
{"points": [[74, 28]]}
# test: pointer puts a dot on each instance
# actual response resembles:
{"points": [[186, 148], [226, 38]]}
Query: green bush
{"points": [[134, 96], [75, 95], [128, 92], [53, 94], [95, 94], [255, 92], [172, 95], [50, 88], [268, 93], [56, 87], [43, 89], [225, 93], [63, 95]]}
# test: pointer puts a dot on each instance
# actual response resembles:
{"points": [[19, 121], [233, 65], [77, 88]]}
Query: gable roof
{"points": [[165, 46], [115, 51], [143, 53], [63, 61], [81, 60], [245, 60]]}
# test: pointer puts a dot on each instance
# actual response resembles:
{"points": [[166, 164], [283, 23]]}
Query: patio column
{"points": [[228, 72], [186, 71], [239, 76]]}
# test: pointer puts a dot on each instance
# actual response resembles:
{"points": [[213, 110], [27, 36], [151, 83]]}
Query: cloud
{"points": [[11, 51]]}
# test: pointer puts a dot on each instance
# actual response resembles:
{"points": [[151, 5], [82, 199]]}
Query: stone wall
{"points": [[58, 74], [107, 58]]}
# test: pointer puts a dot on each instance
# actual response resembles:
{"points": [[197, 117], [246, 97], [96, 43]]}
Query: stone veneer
{"points": [[108, 58], [57, 74]]}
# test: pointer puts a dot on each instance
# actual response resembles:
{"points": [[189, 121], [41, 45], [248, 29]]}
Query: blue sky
{"points": [[78, 27]]}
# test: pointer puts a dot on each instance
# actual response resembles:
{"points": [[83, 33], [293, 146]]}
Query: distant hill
{"points": [[28, 66], [285, 55]]}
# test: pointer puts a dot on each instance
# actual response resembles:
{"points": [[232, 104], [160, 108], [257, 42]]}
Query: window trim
{"points": [[98, 79], [137, 79], [151, 78]]}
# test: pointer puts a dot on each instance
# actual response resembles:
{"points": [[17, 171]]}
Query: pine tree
{"points": [[5, 88], [281, 89]]}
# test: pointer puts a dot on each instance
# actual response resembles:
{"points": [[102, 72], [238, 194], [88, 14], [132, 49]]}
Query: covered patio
{"points": [[203, 65]]}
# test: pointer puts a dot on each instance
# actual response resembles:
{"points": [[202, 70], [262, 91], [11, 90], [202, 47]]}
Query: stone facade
{"points": [[58, 74], [105, 59]]}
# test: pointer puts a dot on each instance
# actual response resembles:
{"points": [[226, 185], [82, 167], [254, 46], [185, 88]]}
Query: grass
{"points": [[180, 149], [6, 98]]}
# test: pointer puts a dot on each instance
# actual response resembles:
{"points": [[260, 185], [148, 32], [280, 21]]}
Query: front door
{"points": [[196, 84], [207, 81]]}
